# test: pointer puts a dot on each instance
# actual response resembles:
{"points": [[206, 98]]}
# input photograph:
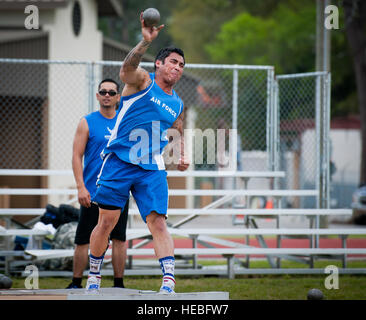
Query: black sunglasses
{"points": [[110, 92]]}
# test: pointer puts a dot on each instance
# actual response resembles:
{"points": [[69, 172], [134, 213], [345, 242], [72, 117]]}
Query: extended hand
{"points": [[149, 33]]}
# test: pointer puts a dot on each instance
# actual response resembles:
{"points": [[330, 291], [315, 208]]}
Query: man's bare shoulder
{"points": [[132, 88]]}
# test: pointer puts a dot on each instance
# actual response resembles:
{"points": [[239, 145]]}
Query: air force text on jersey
{"points": [[164, 106]]}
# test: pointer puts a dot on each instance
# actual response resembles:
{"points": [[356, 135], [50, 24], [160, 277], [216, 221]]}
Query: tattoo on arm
{"points": [[133, 58], [178, 124]]}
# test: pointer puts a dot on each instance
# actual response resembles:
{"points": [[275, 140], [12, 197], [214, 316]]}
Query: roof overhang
{"points": [[20, 35], [109, 8], [41, 4], [105, 7]]}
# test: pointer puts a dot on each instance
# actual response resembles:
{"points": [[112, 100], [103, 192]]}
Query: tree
{"points": [[243, 40], [128, 29], [284, 39], [195, 23], [355, 20]]}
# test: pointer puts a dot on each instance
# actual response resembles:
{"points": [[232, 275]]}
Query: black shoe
{"points": [[118, 283], [73, 286]]}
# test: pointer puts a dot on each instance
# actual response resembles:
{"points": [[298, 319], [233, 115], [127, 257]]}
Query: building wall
{"points": [[23, 113], [64, 44], [345, 153], [64, 85], [30, 48], [68, 96]]}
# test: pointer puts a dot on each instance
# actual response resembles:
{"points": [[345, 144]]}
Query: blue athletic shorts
{"points": [[117, 178]]}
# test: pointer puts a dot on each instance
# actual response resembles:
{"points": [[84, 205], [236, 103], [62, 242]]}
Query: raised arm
{"points": [[134, 77]]}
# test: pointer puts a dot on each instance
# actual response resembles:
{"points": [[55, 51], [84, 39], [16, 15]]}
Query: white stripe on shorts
{"points": [[101, 169]]}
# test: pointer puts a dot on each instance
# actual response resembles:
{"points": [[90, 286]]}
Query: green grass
{"points": [[318, 264], [243, 287]]}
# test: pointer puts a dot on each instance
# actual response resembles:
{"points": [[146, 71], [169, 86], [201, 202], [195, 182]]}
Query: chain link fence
{"points": [[221, 97], [42, 102], [303, 113], [278, 120]]}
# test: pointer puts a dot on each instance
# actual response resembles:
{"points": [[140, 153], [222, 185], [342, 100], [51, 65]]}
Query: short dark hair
{"points": [[109, 80], [165, 52]]}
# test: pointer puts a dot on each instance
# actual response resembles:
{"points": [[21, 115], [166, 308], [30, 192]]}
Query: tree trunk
{"points": [[355, 20]]}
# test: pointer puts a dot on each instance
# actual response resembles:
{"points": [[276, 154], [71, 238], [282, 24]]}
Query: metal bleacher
{"points": [[211, 242]]}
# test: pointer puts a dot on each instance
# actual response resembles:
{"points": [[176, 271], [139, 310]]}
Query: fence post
{"points": [[90, 84], [323, 122], [276, 124], [235, 111], [270, 120], [327, 139], [319, 164]]}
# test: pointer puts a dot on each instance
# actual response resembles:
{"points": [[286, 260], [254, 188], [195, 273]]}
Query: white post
{"points": [[190, 181]]}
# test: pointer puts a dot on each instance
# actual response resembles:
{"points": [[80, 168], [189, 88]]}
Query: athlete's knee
{"points": [[116, 243], [107, 222], [156, 222]]}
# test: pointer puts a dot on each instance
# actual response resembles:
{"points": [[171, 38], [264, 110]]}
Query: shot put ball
{"points": [[151, 17], [315, 294], [5, 282]]}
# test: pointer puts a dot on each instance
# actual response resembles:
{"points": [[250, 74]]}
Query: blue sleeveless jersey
{"points": [[100, 129], [139, 135]]}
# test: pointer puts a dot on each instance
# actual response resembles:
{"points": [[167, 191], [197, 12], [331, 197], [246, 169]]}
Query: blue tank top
{"points": [[139, 135], [100, 129]]}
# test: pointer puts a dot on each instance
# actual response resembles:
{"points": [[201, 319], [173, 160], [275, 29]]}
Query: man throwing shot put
{"points": [[133, 156]]}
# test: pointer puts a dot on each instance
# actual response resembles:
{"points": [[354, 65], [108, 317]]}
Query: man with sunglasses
{"points": [[91, 137], [133, 156]]}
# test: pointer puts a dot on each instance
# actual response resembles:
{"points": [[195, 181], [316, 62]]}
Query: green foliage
{"points": [[344, 95], [281, 33], [252, 102], [128, 28], [195, 23], [285, 40], [240, 40], [294, 39]]}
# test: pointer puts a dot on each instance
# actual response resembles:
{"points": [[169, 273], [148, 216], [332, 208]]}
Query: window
{"points": [[76, 18]]}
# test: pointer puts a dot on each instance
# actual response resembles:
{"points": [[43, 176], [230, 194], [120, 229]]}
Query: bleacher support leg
{"points": [[230, 266], [194, 244], [344, 245]]}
